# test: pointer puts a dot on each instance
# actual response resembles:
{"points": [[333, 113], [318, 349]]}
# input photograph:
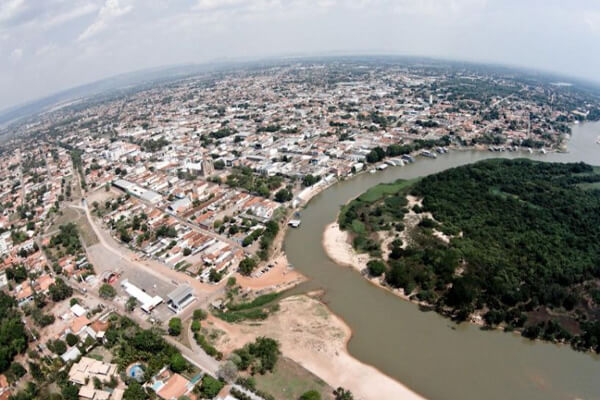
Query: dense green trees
{"points": [[13, 339], [310, 395], [59, 290], [309, 180], [525, 238], [209, 387], [283, 195], [134, 391], [175, 326], [107, 291], [376, 267], [67, 238], [178, 363], [261, 355], [247, 265]]}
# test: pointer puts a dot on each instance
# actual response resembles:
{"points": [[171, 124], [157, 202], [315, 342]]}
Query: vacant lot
{"points": [[290, 380]]}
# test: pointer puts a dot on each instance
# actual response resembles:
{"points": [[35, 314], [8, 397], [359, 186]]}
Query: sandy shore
{"points": [[311, 335], [279, 277], [338, 247]]}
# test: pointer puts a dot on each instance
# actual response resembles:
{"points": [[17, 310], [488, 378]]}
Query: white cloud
{"points": [[212, 5], [17, 54], [45, 49], [109, 12], [592, 20], [10, 9], [69, 15], [438, 7]]}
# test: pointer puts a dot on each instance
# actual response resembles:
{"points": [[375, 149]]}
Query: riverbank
{"points": [[311, 335], [339, 249]]}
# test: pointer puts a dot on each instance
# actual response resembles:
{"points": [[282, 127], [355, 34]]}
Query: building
{"points": [[170, 386], [207, 167], [137, 191], [148, 303], [87, 369], [180, 298]]}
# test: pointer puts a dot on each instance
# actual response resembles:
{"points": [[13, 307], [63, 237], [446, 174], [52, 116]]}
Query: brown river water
{"points": [[430, 354]]}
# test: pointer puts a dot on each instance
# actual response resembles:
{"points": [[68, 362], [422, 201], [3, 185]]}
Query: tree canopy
{"points": [[524, 248]]}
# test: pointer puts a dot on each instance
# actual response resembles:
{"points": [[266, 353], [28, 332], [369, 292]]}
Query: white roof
{"points": [[78, 310], [148, 302], [71, 354]]}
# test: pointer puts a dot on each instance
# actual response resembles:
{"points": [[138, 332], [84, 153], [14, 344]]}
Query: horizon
{"points": [[61, 45], [240, 62]]}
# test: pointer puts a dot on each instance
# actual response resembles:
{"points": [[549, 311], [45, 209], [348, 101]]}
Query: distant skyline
{"points": [[52, 45]]}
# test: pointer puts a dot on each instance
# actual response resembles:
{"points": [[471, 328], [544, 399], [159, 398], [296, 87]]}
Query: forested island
{"points": [[513, 242]]}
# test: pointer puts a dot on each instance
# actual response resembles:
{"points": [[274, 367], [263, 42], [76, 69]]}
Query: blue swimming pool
{"points": [[136, 372]]}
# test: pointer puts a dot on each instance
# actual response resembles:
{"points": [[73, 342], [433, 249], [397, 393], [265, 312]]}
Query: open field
{"points": [[78, 217], [290, 380], [377, 192]]}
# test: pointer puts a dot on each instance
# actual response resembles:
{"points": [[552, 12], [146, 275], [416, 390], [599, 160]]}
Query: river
{"points": [[430, 354]]}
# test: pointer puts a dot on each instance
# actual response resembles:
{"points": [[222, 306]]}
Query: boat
{"points": [[294, 223], [543, 150], [427, 153], [408, 158], [530, 150]]}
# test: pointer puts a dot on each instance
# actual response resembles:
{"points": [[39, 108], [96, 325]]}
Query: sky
{"points": [[50, 45]]}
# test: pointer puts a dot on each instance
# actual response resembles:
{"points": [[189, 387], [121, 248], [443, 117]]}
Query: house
{"points": [[71, 355], [88, 369], [79, 325], [171, 386], [89, 392]]}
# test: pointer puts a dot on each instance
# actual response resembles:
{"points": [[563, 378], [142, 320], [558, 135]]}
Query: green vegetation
{"points": [[283, 195], [13, 339], [129, 343], [67, 239], [376, 267], [342, 394], [175, 326], [290, 381], [152, 145], [309, 180], [310, 395], [257, 302], [380, 208], [106, 291], [247, 265], [260, 356], [243, 177], [209, 387], [527, 253], [378, 154], [269, 234], [253, 310], [59, 290], [206, 346]]}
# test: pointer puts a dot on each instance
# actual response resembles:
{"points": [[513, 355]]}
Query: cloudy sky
{"points": [[50, 45]]}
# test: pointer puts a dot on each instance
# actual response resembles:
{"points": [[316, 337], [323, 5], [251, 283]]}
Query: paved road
{"points": [[156, 269], [196, 356]]}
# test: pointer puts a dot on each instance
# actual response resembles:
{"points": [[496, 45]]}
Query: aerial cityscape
{"points": [[301, 227]]}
